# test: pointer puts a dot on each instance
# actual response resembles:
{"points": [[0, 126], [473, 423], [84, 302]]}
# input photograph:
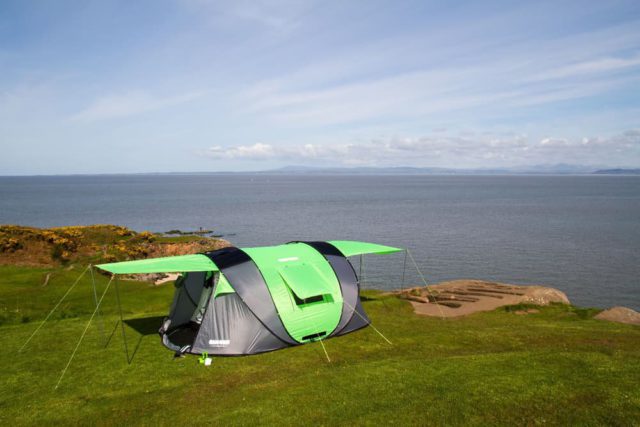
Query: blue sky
{"points": [[191, 85]]}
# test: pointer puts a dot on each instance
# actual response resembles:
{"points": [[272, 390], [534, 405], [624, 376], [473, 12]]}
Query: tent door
{"points": [[192, 295]]}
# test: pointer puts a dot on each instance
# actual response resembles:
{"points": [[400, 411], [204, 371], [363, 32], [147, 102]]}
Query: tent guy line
{"points": [[53, 309], [86, 328]]}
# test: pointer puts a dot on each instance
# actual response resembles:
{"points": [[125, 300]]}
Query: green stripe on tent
{"points": [[223, 286], [352, 248], [172, 264], [297, 270]]}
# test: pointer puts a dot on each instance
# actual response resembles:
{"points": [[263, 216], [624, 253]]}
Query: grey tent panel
{"points": [[350, 289], [230, 328]]}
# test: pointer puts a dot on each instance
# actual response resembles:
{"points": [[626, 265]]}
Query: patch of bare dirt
{"points": [[463, 297]]}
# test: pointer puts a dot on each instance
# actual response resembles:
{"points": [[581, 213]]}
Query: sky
{"points": [[194, 85]]}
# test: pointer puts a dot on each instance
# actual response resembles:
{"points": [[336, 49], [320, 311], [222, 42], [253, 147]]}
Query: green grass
{"points": [[557, 367]]}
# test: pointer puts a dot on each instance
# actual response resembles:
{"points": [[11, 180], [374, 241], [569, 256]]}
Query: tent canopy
{"points": [[171, 264], [200, 262], [353, 248]]}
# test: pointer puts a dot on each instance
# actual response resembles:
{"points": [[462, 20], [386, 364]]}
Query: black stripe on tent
{"points": [[349, 285], [246, 279], [228, 257], [325, 248]]}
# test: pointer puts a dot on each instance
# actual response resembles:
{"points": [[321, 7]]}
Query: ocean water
{"points": [[580, 234]]}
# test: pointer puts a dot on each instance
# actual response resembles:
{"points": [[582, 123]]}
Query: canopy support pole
{"points": [[95, 299], [404, 269], [86, 328], [361, 275], [426, 285], [52, 310], [124, 335]]}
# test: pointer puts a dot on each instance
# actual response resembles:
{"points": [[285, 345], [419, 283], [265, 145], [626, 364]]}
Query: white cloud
{"points": [[554, 142], [417, 94], [261, 151], [278, 18], [258, 151], [491, 82], [129, 104], [487, 150], [599, 65]]}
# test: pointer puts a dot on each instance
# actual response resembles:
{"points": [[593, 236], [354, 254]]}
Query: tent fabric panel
{"points": [[347, 278], [172, 264], [350, 289], [303, 320], [186, 298], [351, 248], [229, 328], [248, 282], [223, 286], [353, 316]]}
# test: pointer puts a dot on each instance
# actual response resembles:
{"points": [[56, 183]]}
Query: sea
{"points": [[580, 234]]}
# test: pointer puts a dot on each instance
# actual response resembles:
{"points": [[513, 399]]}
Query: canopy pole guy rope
{"points": [[404, 269], [426, 285], [369, 322], [95, 299], [86, 328], [325, 350], [53, 309], [124, 335]]}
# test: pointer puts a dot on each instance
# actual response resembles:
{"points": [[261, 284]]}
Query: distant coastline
{"points": [[617, 172], [540, 170]]}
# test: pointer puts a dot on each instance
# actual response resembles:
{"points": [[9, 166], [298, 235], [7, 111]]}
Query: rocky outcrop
{"points": [[620, 314], [541, 295], [51, 247]]}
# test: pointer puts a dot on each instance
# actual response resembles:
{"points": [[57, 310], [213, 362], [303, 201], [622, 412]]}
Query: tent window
{"points": [[306, 284], [311, 300], [312, 336]]}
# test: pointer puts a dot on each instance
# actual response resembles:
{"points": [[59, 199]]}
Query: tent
{"points": [[246, 301]]}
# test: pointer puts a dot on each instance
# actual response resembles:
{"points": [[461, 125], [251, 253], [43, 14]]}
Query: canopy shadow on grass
{"points": [[143, 326]]}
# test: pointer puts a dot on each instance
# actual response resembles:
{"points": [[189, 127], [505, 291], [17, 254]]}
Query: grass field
{"points": [[556, 367]]}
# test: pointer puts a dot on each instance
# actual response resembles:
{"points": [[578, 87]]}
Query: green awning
{"points": [[199, 262], [172, 264], [352, 248]]}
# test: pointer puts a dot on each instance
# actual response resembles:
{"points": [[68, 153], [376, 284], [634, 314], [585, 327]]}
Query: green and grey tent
{"points": [[246, 301]]}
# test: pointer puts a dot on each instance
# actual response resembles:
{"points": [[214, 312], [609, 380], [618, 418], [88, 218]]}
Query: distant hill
{"points": [[557, 169], [617, 172], [553, 169]]}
